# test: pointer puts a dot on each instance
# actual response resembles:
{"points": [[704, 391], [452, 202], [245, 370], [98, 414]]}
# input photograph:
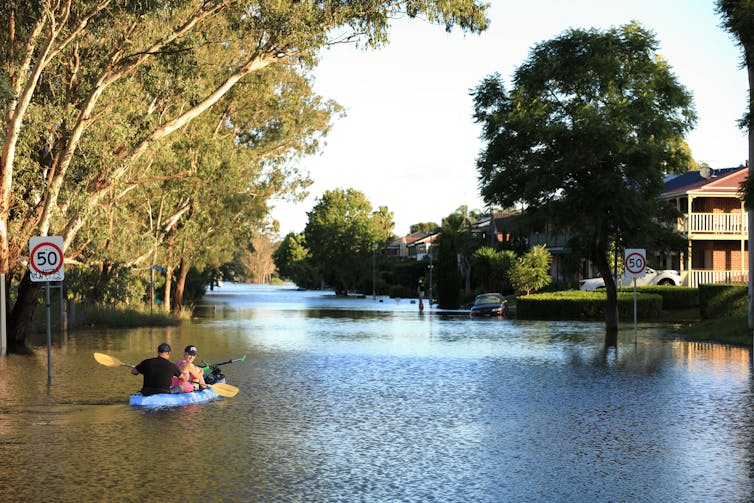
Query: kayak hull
{"points": [[173, 399]]}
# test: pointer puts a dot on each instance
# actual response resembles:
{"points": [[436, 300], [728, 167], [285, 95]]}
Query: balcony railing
{"points": [[716, 223], [699, 276]]}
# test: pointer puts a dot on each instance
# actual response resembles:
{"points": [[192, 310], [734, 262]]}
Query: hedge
{"points": [[577, 305], [722, 300], [673, 297]]}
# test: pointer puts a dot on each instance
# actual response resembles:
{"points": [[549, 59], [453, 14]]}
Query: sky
{"points": [[409, 141]]}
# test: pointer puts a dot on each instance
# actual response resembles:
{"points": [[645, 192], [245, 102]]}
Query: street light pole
{"points": [[374, 282], [429, 249]]}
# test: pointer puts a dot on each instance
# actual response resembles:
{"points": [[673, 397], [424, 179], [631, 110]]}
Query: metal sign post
{"points": [[635, 263], [45, 265]]}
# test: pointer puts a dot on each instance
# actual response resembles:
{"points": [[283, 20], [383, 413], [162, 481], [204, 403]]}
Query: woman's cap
{"points": [[190, 350]]}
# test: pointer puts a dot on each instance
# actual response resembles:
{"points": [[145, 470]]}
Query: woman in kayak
{"points": [[193, 375]]}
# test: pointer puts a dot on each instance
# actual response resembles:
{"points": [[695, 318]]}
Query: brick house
{"points": [[505, 228], [715, 224], [416, 245]]}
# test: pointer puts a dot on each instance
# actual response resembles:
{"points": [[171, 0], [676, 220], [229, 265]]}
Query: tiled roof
{"points": [[693, 180]]}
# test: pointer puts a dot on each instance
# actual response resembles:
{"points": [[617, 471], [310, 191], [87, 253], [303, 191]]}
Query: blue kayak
{"points": [[173, 399]]}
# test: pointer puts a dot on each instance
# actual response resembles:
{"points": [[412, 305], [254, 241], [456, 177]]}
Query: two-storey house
{"points": [[715, 224]]}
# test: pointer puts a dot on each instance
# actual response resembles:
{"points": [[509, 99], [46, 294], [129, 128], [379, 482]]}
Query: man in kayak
{"points": [[158, 372], [192, 377]]}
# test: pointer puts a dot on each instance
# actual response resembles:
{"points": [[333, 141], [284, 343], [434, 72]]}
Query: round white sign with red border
{"points": [[46, 258], [635, 262]]}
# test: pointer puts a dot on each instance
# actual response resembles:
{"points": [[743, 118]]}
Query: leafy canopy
{"points": [[593, 121], [342, 233]]}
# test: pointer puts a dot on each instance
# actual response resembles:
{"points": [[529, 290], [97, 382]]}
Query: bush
{"points": [[121, 285], [723, 300], [577, 305], [400, 291], [673, 297]]}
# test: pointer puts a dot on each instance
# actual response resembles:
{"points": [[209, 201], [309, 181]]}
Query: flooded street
{"points": [[367, 400]]}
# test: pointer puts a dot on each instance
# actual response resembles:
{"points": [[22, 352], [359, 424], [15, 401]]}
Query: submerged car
{"points": [[490, 304], [666, 277]]}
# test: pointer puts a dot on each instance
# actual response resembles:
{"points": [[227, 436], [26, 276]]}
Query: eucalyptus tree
{"points": [[294, 262], [384, 218], [63, 59], [582, 140], [229, 163], [738, 19]]}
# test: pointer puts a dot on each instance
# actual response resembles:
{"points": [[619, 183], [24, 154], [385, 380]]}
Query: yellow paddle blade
{"points": [[107, 360], [223, 389]]}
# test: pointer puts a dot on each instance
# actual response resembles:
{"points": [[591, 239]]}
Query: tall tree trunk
{"points": [[599, 255], [20, 319], [466, 271], [180, 285], [166, 301], [750, 212]]}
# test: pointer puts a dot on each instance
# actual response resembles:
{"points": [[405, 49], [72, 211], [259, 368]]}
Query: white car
{"points": [[665, 277]]}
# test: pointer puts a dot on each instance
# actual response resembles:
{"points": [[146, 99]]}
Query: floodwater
{"points": [[367, 400]]}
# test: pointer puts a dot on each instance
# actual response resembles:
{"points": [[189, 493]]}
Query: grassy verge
{"points": [[732, 330]]}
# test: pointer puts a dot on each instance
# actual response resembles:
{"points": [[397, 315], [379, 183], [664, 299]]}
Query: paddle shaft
{"points": [[232, 361], [209, 366]]}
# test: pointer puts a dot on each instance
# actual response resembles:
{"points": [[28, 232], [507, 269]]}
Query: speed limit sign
{"points": [[635, 262], [46, 258]]}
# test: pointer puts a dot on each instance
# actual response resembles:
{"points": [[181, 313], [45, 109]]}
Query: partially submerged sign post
{"points": [[46, 265], [635, 265]]}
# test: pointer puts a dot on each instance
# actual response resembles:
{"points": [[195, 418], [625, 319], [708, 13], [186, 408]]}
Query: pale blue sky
{"points": [[408, 140]]}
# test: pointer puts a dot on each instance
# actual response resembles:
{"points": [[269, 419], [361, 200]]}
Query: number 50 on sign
{"points": [[635, 262], [46, 258]]}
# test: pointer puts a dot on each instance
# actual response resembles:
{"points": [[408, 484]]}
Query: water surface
{"points": [[367, 400]]}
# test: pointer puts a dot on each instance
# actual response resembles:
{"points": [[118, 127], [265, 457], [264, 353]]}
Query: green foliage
{"points": [[578, 305], [196, 285], [158, 131], [673, 297], [491, 269], [582, 140], [531, 271], [732, 330], [738, 19], [341, 234], [722, 300], [746, 193], [293, 261], [446, 272], [428, 227], [456, 229], [118, 285], [404, 274]]}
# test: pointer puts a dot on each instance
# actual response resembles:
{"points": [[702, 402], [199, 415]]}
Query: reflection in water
{"points": [[358, 400]]}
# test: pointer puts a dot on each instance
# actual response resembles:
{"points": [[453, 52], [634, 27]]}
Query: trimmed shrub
{"points": [[723, 300], [673, 297], [577, 305]]}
